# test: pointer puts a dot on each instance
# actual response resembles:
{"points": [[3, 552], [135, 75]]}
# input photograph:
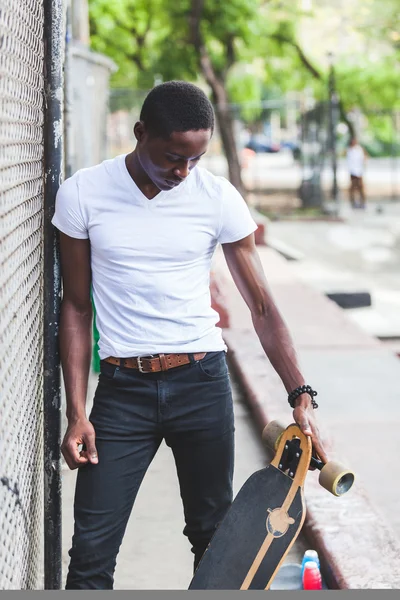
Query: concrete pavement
{"points": [[361, 253], [357, 379], [280, 172]]}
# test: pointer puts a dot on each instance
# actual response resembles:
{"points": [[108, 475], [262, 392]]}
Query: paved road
{"points": [[360, 254], [155, 554], [280, 171]]}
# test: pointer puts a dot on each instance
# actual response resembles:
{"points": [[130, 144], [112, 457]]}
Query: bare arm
{"points": [[247, 272], [75, 347]]}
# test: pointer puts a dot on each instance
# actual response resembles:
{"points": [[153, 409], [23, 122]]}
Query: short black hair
{"points": [[176, 106]]}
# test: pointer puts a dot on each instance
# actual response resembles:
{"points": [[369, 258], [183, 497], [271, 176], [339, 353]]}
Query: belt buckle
{"points": [[139, 363]]}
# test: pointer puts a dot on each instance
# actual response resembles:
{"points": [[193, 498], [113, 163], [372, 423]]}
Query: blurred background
{"points": [[294, 79], [292, 82]]}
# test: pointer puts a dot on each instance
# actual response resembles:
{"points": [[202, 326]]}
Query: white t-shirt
{"points": [[355, 160], [151, 259]]}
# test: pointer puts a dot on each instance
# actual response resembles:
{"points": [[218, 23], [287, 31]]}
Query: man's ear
{"points": [[139, 131]]}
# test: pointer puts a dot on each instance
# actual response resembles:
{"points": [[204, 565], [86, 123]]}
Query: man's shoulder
{"points": [[206, 181], [88, 182], [106, 167], [96, 174]]}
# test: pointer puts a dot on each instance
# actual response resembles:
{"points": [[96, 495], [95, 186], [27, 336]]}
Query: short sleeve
{"points": [[236, 220], [68, 216]]}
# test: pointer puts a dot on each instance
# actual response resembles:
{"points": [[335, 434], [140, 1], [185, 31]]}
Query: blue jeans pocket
{"points": [[107, 370], [214, 365]]}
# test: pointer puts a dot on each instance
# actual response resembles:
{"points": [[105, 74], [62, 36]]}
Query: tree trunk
{"points": [[217, 84], [344, 117], [226, 130], [225, 122]]}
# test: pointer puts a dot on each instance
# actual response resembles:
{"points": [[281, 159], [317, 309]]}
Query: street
{"points": [[280, 172]]}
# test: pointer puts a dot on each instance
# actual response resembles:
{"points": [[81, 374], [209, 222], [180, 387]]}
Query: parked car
{"points": [[294, 147], [260, 145]]}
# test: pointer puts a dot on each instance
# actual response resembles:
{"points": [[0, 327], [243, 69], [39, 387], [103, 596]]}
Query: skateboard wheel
{"points": [[335, 478], [272, 433]]}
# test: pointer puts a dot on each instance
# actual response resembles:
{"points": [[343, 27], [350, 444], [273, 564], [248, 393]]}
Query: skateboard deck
{"points": [[262, 524]]}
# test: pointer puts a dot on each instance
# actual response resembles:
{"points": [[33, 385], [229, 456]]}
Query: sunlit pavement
{"points": [[360, 254], [281, 171], [359, 415]]}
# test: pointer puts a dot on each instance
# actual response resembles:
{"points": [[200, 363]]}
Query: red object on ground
{"points": [[259, 235], [312, 577], [218, 303]]}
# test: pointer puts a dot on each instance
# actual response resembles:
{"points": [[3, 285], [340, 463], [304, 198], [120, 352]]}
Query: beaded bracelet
{"points": [[302, 389]]}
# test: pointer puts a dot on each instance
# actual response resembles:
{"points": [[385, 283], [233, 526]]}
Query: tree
{"points": [[214, 33], [178, 41], [220, 42], [128, 32], [247, 49]]}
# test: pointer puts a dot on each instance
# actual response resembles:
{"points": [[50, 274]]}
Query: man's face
{"points": [[168, 162]]}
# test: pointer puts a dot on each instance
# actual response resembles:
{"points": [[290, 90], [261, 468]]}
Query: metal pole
{"points": [[53, 169], [394, 156], [333, 110], [68, 92]]}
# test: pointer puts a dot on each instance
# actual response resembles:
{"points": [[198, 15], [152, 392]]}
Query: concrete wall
{"points": [[80, 21], [87, 92]]}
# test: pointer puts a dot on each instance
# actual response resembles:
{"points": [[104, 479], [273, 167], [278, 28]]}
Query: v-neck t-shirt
{"points": [[151, 259]]}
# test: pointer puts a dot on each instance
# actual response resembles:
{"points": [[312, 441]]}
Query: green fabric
{"points": [[96, 337]]}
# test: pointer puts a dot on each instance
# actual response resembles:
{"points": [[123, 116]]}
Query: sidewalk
{"points": [[361, 253], [359, 415]]}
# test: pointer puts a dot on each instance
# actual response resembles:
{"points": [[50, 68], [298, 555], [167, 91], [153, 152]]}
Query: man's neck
{"points": [[140, 177]]}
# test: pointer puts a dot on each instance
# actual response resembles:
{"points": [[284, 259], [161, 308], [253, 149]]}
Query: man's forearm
{"points": [[278, 346], [245, 266], [75, 352]]}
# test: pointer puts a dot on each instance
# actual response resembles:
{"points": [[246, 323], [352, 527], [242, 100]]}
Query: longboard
{"points": [[266, 516]]}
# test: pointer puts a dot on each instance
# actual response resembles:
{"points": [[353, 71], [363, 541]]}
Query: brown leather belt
{"points": [[153, 364]]}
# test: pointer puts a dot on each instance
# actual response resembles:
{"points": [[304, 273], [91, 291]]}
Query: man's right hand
{"points": [[79, 432]]}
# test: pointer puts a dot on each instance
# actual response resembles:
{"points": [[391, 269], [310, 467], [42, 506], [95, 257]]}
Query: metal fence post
{"points": [[53, 171], [394, 152], [333, 114]]}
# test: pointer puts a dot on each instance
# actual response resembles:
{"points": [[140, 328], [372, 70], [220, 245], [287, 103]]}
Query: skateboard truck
{"points": [[290, 457], [334, 477]]}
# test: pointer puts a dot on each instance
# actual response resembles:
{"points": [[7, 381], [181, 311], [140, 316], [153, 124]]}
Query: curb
{"points": [[356, 546], [284, 249], [260, 234], [357, 550]]}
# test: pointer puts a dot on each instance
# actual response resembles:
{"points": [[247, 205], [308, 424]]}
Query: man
{"points": [[356, 163], [141, 229]]}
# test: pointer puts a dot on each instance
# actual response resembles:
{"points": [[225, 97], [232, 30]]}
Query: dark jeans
{"points": [[357, 186], [191, 408]]}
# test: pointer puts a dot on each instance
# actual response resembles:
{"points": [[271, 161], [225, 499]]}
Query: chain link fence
{"points": [[21, 283]]}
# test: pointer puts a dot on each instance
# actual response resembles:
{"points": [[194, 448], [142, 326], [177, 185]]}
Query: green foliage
{"points": [[370, 86], [374, 90], [128, 31], [254, 49], [246, 89], [382, 22]]}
